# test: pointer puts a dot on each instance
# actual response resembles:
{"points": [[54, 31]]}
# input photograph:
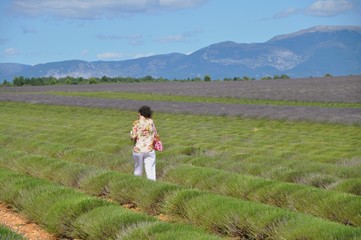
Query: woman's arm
{"points": [[134, 132]]}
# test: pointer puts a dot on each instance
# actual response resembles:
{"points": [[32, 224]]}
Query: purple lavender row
{"points": [[318, 114]]}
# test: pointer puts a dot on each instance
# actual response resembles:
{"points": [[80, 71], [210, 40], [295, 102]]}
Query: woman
{"points": [[142, 134]]}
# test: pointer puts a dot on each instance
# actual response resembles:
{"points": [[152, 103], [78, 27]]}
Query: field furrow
{"points": [[181, 203], [22, 226], [23, 136], [316, 202], [71, 214]]}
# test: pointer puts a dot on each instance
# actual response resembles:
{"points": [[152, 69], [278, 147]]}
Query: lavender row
{"points": [[319, 114], [332, 89]]}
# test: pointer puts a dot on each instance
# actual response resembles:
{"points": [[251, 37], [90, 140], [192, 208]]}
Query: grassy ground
{"points": [[322, 155], [294, 165]]}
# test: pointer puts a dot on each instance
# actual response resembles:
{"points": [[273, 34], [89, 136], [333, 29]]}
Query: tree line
{"points": [[42, 81]]}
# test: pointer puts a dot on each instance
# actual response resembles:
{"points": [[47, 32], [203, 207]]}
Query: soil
{"points": [[133, 207], [19, 224], [161, 216], [30, 230]]}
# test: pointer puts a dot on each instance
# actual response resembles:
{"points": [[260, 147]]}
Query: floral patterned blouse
{"points": [[143, 135]]}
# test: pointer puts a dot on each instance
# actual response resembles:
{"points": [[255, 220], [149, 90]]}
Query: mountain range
{"points": [[316, 51]]}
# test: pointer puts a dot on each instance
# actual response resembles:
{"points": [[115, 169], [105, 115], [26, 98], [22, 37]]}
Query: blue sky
{"points": [[40, 31]]}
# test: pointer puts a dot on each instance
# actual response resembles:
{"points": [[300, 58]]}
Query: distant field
{"points": [[221, 176], [332, 89], [335, 100]]}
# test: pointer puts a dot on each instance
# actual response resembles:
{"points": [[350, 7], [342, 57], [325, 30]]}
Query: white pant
{"points": [[149, 162]]}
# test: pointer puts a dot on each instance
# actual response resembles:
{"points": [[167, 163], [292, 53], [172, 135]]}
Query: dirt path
{"points": [[21, 225], [130, 206]]}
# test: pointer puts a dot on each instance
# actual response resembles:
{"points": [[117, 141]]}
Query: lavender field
{"points": [[322, 90], [331, 89], [230, 169]]}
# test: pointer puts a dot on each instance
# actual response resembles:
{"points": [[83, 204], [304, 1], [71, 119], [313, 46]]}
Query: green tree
{"points": [[6, 83], [104, 79], [93, 81], [266, 78], [207, 78], [19, 81], [53, 81], [148, 78]]}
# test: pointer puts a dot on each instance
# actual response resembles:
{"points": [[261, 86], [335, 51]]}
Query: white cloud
{"points": [[326, 8], [120, 56], [92, 9], [320, 8], [180, 4], [286, 13], [11, 52], [109, 55]]}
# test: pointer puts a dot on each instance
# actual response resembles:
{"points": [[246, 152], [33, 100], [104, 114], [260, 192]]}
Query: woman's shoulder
{"points": [[149, 121]]}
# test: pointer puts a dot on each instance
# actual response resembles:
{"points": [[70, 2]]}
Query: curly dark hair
{"points": [[145, 111]]}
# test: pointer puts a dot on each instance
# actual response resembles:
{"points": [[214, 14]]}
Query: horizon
{"points": [[35, 33]]}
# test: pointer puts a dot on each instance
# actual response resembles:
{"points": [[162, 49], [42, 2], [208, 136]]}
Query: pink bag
{"points": [[157, 143], [158, 146]]}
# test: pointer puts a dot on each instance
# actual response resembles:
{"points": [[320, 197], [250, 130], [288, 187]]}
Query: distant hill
{"points": [[312, 52], [8, 70]]}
